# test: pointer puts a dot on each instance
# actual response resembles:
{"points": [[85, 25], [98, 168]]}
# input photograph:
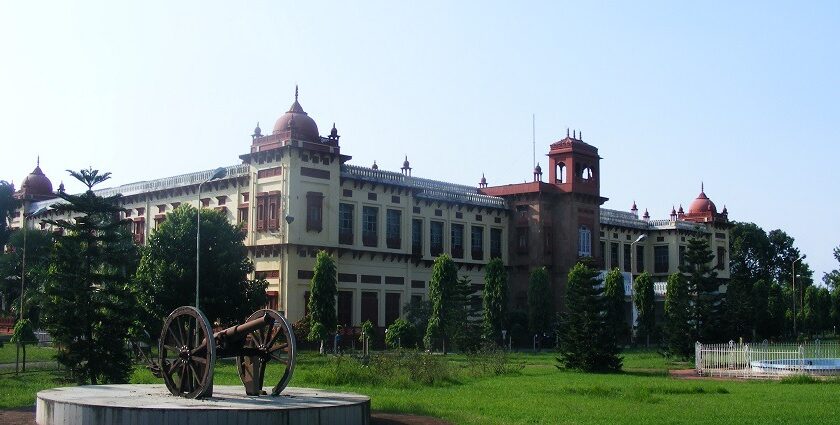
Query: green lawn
{"points": [[540, 393], [33, 353]]}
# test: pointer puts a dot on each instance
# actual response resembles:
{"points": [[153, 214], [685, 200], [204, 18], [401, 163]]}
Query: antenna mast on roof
{"points": [[534, 139]]}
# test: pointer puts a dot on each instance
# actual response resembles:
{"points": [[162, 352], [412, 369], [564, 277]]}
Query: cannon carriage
{"points": [[263, 346]]}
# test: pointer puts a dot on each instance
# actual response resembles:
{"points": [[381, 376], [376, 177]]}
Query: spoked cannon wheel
{"points": [[187, 353], [268, 353]]}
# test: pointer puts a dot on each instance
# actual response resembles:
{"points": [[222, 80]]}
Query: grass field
{"points": [[540, 393], [33, 353]]}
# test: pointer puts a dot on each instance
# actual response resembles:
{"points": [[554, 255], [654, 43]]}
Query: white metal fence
{"points": [[767, 360]]}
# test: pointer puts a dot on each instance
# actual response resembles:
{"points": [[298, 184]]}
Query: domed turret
{"points": [[702, 204], [36, 186], [297, 124], [374, 166], [483, 182]]}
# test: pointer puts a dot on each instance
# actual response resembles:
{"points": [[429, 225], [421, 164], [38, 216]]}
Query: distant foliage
{"points": [[540, 302], [585, 341], [400, 333], [8, 205], [441, 290], [615, 300], [678, 340], [643, 299], [495, 299], [322, 293]]}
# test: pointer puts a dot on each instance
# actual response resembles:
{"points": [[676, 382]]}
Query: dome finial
{"points": [[702, 190], [296, 92], [38, 161]]}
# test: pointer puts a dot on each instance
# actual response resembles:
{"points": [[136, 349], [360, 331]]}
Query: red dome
{"points": [[297, 124], [702, 204], [36, 184]]}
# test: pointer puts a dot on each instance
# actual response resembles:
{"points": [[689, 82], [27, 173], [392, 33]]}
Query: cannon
{"points": [[263, 346]]}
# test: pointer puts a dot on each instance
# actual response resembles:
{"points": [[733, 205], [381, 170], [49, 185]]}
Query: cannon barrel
{"points": [[238, 330]]}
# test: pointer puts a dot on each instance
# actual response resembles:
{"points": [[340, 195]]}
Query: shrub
{"points": [[399, 334]]}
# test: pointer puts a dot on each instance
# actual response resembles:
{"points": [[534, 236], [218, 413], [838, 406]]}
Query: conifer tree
{"points": [[678, 339], [540, 302], [88, 308], [441, 289], [644, 298], [8, 205], [585, 342], [322, 293], [614, 294], [703, 285], [495, 299]]}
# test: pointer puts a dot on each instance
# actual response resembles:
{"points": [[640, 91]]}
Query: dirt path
{"points": [[26, 416]]}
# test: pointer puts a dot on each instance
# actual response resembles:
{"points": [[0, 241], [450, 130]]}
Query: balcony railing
{"points": [[393, 243], [370, 239], [345, 237]]}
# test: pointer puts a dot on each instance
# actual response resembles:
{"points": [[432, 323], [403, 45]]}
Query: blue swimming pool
{"points": [[793, 366]]}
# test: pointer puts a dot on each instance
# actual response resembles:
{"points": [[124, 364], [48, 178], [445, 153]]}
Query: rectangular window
{"points": [[369, 278], [273, 221], [394, 280], [522, 240], [682, 255], [640, 258], [347, 277], [371, 196], [417, 236], [344, 308], [457, 241], [660, 259], [477, 240], [585, 242], [436, 238], [261, 213], [370, 307], [418, 284], [243, 214], [369, 226], [496, 243], [221, 200], [613, 254], [392, 308], [314, 211], [347, 193], [393, 229], [345, 224], [627, 253], [721, 257]]}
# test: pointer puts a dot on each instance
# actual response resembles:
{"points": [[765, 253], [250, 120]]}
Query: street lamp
{"points": [[793, 284], [633, 251], [217, 174]]}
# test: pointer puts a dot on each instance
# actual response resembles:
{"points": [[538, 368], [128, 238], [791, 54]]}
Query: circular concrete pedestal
{"points": [[153, 404]]}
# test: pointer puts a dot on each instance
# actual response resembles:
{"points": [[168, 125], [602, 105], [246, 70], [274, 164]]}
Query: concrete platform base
{"points": [[152, 404]]}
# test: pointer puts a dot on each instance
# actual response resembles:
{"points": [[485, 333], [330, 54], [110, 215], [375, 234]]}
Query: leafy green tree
{"points": [[495, 299], [644, 299], [165, 278], [88, 308], [322, 292], [417, 313], [832, 278], [400, 333], [703, 285], [817, 310], [22, 335], [38, 248], [585, 342], [8, 205], [777, 305], [739, 305], [615, 315], [678, 318], [750, 253], [540, 302], [465, 322], [441, 288]]}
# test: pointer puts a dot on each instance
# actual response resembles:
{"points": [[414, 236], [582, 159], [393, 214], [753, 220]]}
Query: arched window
{"points": [[560, 173], [586, 173], [584, 242]]}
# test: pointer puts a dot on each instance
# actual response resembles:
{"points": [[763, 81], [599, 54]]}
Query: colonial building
{"points": [[295, 192]]}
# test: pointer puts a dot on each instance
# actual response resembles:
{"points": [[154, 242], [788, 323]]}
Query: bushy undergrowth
{"points": [[408, 368]]}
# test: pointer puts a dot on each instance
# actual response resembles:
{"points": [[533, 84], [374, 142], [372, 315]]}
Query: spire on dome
{"points": [[374, 166], [296, 92]]}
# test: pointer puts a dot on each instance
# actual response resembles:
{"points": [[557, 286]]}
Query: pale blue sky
{"points": [[742, 96]]}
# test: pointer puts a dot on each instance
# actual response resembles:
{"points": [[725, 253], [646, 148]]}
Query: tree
{"points": [[678, 317], [585, 343], [399, 332], [22, 335], [38, 248], [644, 299], [88, 308], [441, 287], [703, 285], [540, 302], [614, 294], [8, 205], [165, 278], [750, 253], [740, 305], [322, 293], [816, 310], [495, 299], [464, 324], [417, 313], [832, 278]]}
